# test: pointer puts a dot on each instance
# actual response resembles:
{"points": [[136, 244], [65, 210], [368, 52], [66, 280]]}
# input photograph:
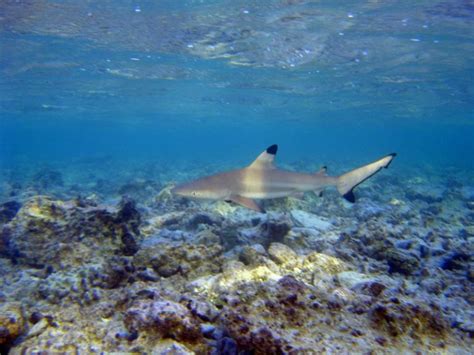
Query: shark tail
{"points": [[347, 182]]}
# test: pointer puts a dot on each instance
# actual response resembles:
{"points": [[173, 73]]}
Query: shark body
{"points": [[263, 180]]}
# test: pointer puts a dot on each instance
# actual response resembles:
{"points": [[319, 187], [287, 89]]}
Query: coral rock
{"points": [[324, 263], [171, 347], [189, 260], [60, 233], [202, 219], [400, 261], [166, 318], [309, 220], [275, 229], [406, 318], [8, 210], [253, 254], [282, 254], [12, 323]]}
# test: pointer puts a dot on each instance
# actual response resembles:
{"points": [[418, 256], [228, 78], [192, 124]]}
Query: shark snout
{"points": [[200, 189], [183, 190]]}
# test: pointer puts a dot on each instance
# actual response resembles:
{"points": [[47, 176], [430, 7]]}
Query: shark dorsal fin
{"points": [[265, 160], [322, 171]]}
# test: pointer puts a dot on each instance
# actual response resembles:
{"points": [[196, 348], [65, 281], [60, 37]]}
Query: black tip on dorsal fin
{"points": [[272, 149], [349, 196], [393, 155]]}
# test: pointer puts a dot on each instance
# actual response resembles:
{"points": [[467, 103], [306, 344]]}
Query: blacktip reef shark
{"points": [[263, 180]]}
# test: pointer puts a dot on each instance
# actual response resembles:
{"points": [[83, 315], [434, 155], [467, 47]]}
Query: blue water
{"points": [[216, 82], [106, 105]]}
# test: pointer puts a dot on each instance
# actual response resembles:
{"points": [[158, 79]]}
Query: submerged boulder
{"points": [[8, 211], [275, 228], [162, 319], [401, 262], [60, 233], [309, 220], [400, 318], [282, 254], [167, 318], [456, 260], [198, 219], [189, 260], [12, 324]]}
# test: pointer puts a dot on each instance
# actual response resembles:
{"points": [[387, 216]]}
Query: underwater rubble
{"points": [[159, 274]]}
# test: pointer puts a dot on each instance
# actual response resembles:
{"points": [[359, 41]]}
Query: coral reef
{"points": [[12, 323], [169, 276], [61, 234]]}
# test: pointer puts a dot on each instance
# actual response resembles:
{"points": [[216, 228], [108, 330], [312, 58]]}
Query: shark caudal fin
{"points": [[348, 181]]}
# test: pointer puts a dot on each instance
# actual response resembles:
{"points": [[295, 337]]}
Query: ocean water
{"points": [[101, 100], [325, 80]]}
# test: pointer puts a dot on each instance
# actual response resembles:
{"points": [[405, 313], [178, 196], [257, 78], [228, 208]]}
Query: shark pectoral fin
{"points": [[318, 192], [246, 202]]}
